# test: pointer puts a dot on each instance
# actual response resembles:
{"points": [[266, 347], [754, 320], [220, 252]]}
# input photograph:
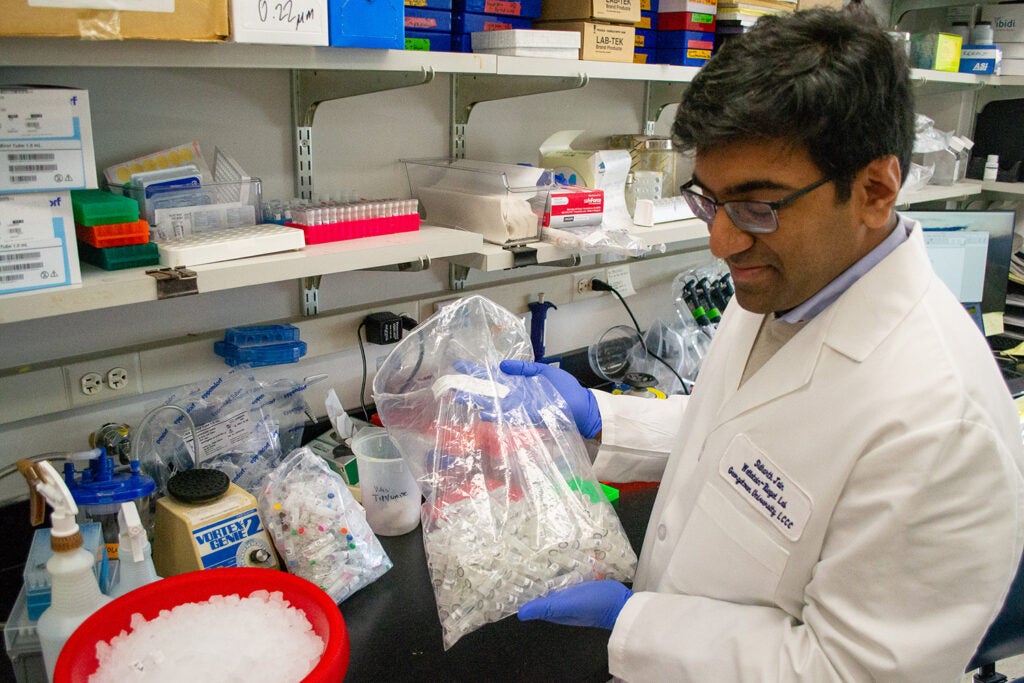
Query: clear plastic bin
{"points": [[502, 202], [179, 212]]}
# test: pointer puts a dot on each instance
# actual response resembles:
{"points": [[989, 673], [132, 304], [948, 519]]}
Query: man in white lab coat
{"points": [[841, 496]]}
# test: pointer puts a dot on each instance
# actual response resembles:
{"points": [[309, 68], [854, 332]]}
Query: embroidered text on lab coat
{"points": [[765, 487]]}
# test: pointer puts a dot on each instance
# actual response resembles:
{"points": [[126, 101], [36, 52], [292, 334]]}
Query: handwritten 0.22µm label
{"points": [[292, 16], [766, 488]]}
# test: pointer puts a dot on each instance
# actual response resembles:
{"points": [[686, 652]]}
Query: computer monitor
{"points": [[971, 251]]}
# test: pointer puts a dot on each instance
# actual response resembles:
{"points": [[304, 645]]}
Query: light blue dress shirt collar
{"points": [[832, 291]]}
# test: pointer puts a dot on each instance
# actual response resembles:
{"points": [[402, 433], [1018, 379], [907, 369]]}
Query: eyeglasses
{"points": [[749, 215]]}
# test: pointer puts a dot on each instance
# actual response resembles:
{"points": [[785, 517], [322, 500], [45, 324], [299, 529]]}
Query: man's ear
{"points": [[876, 188]]}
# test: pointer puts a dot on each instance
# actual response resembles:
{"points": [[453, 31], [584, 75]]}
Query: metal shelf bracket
{"points": [[468, 90], [310, 87]]}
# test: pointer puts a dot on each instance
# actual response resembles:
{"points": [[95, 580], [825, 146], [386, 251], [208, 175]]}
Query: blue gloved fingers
{"points": [[472, 369], [581, 401], [594, 603]]}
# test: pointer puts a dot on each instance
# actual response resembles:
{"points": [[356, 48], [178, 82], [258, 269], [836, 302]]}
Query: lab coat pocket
{"points": [[723, 554]]}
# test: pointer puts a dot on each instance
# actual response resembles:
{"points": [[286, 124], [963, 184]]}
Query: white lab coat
{"points": [[885, 428]]}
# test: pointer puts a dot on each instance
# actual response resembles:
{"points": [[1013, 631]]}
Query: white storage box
{"points": [[45, 139], [1007, 22], [528, 43], [37, 241], [502, 202]]}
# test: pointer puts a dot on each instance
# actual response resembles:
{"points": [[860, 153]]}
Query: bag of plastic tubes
{"points": [[512, 510]]}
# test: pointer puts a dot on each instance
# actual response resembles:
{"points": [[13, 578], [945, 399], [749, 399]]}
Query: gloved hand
{"points": [[594, 603], [580, 400]]}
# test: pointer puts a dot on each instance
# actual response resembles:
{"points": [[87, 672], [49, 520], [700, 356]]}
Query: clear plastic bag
{"points": [[318, 527], [512, 510]]}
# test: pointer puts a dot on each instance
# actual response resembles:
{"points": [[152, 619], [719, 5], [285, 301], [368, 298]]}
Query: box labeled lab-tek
{"points": [[297, 22], [615, 11], [598, 42], [37, 241], [366, 23], [45, 139]]}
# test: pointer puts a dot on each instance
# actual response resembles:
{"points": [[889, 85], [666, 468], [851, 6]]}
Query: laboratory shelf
{"points": [[931, 193], [169, 53], [103, 289], [1016, 189], [535, 66], [681, 234]]}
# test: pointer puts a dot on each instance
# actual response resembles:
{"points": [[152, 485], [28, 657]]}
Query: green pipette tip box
{"points": [[119, 258], [590, 489], [99, 207]]}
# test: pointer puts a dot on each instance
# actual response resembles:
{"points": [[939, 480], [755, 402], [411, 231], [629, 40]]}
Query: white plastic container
{"points": [[388, 490]]}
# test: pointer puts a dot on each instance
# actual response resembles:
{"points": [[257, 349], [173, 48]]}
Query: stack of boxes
{"points": [[473, 16], [46, 151], [428, 25], [110, 233], [645, 40], [607, 28], [339, 23], [686, 32]]}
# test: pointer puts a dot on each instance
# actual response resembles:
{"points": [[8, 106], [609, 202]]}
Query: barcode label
{"points": [[32, 168], [37, 156], [21, 256], [18, 179], [21, 267], [18, 277]]}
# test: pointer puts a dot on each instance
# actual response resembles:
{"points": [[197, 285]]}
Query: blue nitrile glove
{"points": [[580, 400], [594, 603]]}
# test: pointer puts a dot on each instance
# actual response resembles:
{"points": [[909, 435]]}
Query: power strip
{"points": [[650, 212], [230, 243]]}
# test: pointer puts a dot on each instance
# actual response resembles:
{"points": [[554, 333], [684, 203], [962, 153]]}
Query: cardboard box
{"points": [[1012, 67], [1007, 22], [615, 11], [937, 51], [979, 59], [37, 241], [573, 206], [1012, 50], [366, 23], [45, 139], [598, 42], [303, 23], [190, 20], [528, 43]]}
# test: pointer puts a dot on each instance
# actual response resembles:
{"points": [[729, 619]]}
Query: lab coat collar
{"points": [[854, 325]]}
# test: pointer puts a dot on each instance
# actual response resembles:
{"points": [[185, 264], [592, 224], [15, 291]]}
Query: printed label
{"points": [[765, 487], [218, 543], [502, 7]]}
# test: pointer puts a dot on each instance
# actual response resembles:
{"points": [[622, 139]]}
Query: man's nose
{"points": [[725, 238]]}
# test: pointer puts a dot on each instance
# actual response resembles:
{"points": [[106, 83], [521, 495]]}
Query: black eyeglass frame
{"points": [[700, 202]]}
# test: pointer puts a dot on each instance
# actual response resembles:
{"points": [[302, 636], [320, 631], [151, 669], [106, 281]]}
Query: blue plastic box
{"points": [[678, 57], [648, 20], [515, 8], [685, 40], [429, 41], [469, 22], [366, 23], [418, 19], [645, 39], [429, 4]]}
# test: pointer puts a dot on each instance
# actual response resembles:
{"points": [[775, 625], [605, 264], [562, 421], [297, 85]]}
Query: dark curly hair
{"points": [[830, 81]]}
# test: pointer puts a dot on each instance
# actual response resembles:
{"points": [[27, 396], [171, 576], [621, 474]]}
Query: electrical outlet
{"points": [[117, 378], [90, 383], [583, 289], [102, 379]]}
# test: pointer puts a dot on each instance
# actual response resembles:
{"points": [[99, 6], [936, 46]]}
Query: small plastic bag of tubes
{"points": [[512, 510], [318, 527]]}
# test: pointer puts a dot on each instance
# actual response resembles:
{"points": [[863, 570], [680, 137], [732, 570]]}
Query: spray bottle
{"points": [[74, 591], [135, 555]]}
